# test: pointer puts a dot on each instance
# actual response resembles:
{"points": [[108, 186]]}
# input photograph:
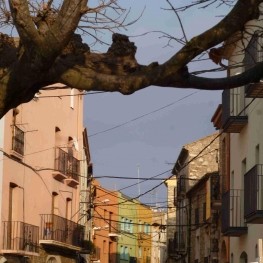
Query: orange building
{"points": [[105, 224]]}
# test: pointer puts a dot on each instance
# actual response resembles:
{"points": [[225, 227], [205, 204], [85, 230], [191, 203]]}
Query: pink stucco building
{"points": [[42, 172]]}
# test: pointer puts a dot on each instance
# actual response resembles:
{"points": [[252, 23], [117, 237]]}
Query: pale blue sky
{"points": [[155, 140]]}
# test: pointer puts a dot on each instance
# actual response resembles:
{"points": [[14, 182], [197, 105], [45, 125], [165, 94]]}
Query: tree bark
{"points": [[50, 52]]}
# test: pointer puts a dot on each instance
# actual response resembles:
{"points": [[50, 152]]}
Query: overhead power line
{"points": [[142, 116]]}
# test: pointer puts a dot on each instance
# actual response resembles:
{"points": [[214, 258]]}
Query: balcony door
{"points": [[15, 215], [243, 257]]}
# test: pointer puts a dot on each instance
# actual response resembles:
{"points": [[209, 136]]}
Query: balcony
{"points": [[254, 195], [233, 214], [254, 90], [114, 229], [176, 248], [233, 117], [67, 168], [61, 232], [20, 238]]}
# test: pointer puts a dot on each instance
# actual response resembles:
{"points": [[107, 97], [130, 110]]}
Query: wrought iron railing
{"points": [[233, 102], [20, 236], [253, 190], [233, 212], [66, 164], [57, 228]]}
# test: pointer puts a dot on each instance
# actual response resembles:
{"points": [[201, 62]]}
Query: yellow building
{"points": [[144, 238]]}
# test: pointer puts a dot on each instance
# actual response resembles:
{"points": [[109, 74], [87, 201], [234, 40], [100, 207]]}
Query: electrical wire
{"points": [[190, 161], [143, 115]]}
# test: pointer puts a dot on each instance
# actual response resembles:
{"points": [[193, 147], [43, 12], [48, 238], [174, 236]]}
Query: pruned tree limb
{"points": [[50, 52]]}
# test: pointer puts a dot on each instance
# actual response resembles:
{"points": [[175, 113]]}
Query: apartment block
{"points": [[105, 225], [159, 232], [144, 235], [196, 175], [41, 163], [127, 243], [240, 122]]}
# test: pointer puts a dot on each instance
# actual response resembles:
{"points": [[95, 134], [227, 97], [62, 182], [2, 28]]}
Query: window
{"points": [[175, 196], [13, 201], [181, 187], [104, 247], [55, 209], [140, 226], [68, 208], [197, 217], [18, 140], [204, 212], [127, 225], [148, 229], [197, 249], [232, 258], [105, 215], [122, 256], [126, 253], [253, 52], [145, 228], [122, 223], [257, 154], [52, 260], [243, 257], [131, 226], [140, 252]]}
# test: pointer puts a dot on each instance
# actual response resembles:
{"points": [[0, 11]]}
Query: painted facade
{"points": [[106, 228], [144, 220], [242, 120], [159, 228], [127, 243], [171, 185], [42, 160]]}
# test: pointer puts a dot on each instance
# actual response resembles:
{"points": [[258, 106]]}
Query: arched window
{"points": [[243, 257], [57, 136], [52, 259]]}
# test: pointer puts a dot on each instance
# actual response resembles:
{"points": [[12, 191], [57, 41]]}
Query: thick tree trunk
{"points": [[50, 53]]}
